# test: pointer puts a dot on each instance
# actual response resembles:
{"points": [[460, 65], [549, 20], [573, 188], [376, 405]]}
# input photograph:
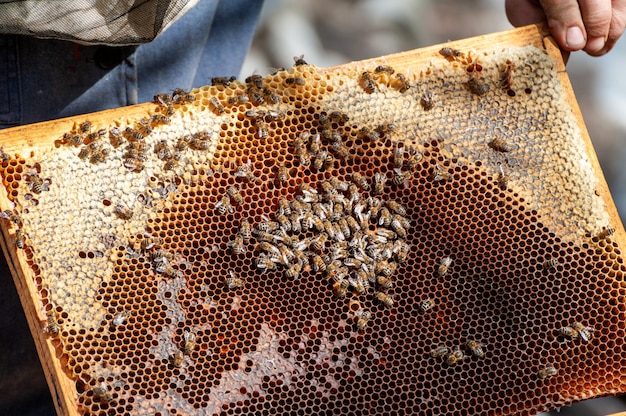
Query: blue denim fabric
{"points": [[47, 79]]}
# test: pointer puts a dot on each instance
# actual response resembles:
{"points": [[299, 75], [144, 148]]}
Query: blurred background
{"points": [[332, 32]]}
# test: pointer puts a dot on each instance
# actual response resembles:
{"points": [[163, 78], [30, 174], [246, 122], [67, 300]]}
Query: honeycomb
{"points": [[360, 240]]}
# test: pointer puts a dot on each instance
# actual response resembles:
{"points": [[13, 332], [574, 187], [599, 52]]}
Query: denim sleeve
{"points": [[47, 79]]}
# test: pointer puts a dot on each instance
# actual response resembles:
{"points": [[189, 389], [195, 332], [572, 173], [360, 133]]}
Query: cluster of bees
{"points": [[356, 242], [383, 73], [452, 357], [96, 149]]}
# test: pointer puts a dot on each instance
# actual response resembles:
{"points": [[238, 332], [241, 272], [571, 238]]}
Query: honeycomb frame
{"points": [[175, 304]]}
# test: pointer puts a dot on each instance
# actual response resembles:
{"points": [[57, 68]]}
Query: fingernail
{"points": [[575, 38], [595, 44]]}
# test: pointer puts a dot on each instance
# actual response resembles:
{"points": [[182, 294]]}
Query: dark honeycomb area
{"points": [[203, 318]]}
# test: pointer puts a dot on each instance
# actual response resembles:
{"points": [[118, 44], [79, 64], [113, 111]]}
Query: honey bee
{"points": [[403, 84], [120, 318], [162, 150], [293, 271], [503, 180], [449, 53], [272, 115], [386, 268], [397, 226], [476, 87], [550, 264], [444, 266], [606, 232], [122, 211], [365, 81], [53, 326], [164, 100], [401, 177], [500, 145], [99, 156], [339, 117], [84, 153], [414, 158], [426, 100], [318, 263], [225, 81], [255, 96], [396, 208], [585, 332], [262, 132], [384, 217], [135, 165], [384, 69], [283, 206], [340, 288], [323, 161], [161, 256], [319, 242], [476, 348], [133, 135], [439, 351], [305, 159], [177, 359], [547, 372], [385, 299], [102, 393], [190, 341], [294, 81], [384, 282], [402, 252], [427, 304], [361, 181], [224, 205], [506, 70], [157, 119], [167, 269], [270, 97], [200, 141], [398, 156], [234, 282], [216, 105], [299, 60], [73, 139], [237, 245], [180, 96], [362, 320], [366, 133], [315, 143], [234, 193], [568, 332], [11, 216], [440, 175], [265, 263], [239, 99], [148, 242], [245, 171], [255, 80], [84, 127], [455, 356], [115, 137], [340, 149], [245, 231]]}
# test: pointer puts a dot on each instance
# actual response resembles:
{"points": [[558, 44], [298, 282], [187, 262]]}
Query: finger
{"points": [[597, 17], [524, 12], [616, 29], [566, 23]]}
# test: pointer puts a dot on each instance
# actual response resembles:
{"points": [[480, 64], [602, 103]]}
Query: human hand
{"points": [[591, 25]]}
